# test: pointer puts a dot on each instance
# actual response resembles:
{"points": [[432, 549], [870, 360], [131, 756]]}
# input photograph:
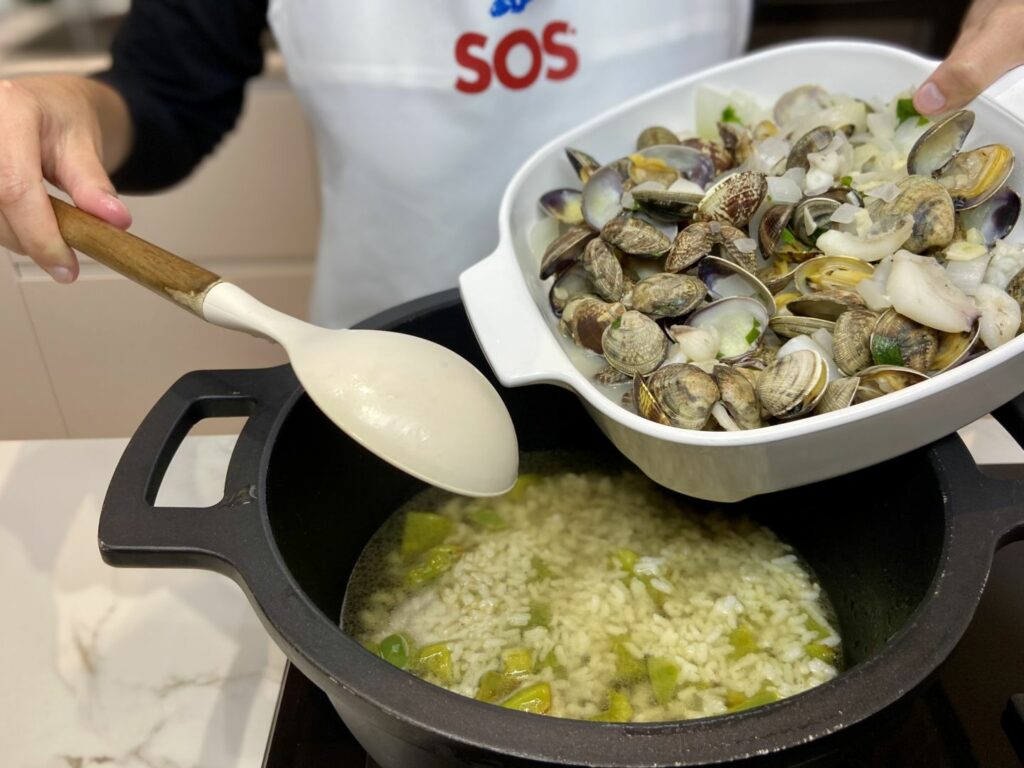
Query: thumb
{"points": [[80, 173], [982, 55]]}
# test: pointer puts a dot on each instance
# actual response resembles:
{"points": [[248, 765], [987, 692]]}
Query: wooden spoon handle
{"points": [[161, 271]]}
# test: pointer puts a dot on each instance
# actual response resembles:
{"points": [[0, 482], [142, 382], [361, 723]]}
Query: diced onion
{"points": [[887, 192], [963, 251], [845, 214], [745, 245], [784, 189]]}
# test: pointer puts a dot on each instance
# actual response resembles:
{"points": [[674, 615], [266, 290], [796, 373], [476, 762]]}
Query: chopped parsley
{"points": [[754, 332], [846, 181], [729, 115], [905, 110]]}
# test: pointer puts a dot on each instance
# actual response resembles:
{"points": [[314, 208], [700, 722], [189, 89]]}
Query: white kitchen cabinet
{"points": [[90, 359]]}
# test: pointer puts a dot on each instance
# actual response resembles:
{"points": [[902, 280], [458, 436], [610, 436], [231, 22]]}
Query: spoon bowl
{"points": [[412, 402]]}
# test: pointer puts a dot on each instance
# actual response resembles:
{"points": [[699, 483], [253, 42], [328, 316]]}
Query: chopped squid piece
{"points": [[967, 275], [1007, 261], [880, 241], [1000, 315], [921, 290], [696, 344]]}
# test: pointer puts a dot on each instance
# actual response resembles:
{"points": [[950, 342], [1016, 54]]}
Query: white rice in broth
{"points": [[596, 595]]}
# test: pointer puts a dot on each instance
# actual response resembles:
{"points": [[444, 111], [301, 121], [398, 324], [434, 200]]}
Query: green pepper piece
{"points": [[516, 663], [628, 668], [422, 531], [540, 615], [905, 109], [487, 519], [759, 699], [436, 660], [821, 652], [627, 559], [494, 686], [619, 709], [534, 698], [664, 676], [813, 626], [846, 181], [743, 642], [436, 561], [523, 482], [729, 115], [541, 570], [396, 649]]}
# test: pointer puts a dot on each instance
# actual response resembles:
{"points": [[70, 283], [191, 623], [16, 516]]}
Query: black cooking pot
{"points": [[903, 549]]}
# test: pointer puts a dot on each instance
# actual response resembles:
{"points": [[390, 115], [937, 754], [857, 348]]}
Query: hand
{"points": [[991, 43], [57, 128]]}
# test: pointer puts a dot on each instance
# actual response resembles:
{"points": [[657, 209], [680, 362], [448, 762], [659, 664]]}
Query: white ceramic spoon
{"points": [[414, 403]]}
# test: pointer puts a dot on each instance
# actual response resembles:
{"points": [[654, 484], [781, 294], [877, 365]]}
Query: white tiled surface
{"points": [[125, 667]]}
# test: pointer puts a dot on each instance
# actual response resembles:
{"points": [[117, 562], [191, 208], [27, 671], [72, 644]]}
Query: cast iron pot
{"points": [[903, 549]]}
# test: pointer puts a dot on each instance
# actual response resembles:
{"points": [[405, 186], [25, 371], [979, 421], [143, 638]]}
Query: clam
{"points": [[928, 203], [721, 157], [610, 377], [1015, 288], [811, 217], [899, 341], [702, 237], [971, 177], [724, 278], [734, 199], [777, 239], [826, 305], [667, 204], [637, 237], [565, 204], [654, 135], [667, 295], [815, 140], [955, 348], [585, 320], [881, 380], [788, 326], [669, 162], [570, 284], [634, 343], [565, 250], [830, 273], [602, 196], [777, 274], [684, 393], [645, 403], [739, 321], [737, 141], [851, 345], [797, 103], [601, 261], [838, 395], [995, 218], [582, 163], [793, 385], [738, 396]]}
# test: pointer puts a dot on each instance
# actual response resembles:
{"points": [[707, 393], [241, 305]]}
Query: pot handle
{"points": [[134, 532], [518, 345]]}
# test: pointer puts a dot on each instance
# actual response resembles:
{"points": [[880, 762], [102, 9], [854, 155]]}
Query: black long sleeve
{"points": [[182, 67]]}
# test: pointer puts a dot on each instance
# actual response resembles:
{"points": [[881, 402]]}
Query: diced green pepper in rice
{"points": [[495, 686], [821, 652], [737, 702], [487, 519], [628, 668], [551, 662], [524, 481], [743, 641], [422, 531], [619, 709], [435, 562], [396, 649], [541, 570], [516, 663], [534, 698], [540, 615], [664, 676], [435, 660]]}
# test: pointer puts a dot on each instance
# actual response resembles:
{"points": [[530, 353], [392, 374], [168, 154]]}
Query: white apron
{"points": [[422, 112]]}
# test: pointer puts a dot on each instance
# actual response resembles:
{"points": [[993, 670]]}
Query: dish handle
{"points": [[518, 345], [134, 532]]}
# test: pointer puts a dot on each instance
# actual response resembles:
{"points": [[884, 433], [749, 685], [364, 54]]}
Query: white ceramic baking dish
{"points": [[507, 303]]}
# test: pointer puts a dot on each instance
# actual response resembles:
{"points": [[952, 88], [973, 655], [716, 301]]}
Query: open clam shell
{"points": [[583, 164], [838, 395], [995, 218], [570, 284], [881, 380], [739, 321], [601, 199], [585, 320], [811, 217], [564, 204], [734, 199], [930, 206], [738, 396], [667, 204], [899, 341], [955, 348], [815, 140], [937, 146], [831, 273], [824, 305], [724, 278], [654, 135], [788, 326], [975, 176], [685, 162], [565, 250]]}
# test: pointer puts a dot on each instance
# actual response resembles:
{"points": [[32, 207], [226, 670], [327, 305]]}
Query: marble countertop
{"points": [[125, 667]]}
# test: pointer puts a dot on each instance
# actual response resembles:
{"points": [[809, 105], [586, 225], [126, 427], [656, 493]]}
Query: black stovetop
{"points": [[960, 719]]}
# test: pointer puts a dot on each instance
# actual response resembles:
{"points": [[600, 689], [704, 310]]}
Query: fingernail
{"points": [[929, 98], [61, 274], [113, 203]]}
